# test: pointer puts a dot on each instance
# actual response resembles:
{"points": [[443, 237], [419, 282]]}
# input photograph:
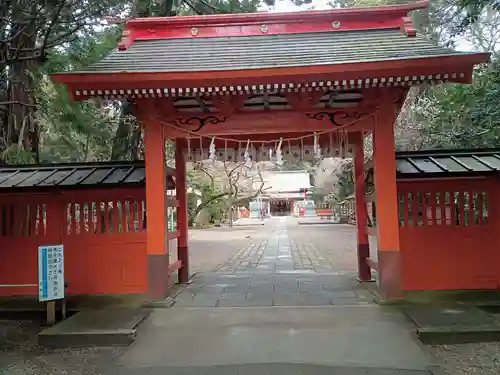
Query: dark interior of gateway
{"points": [[281, 207]]}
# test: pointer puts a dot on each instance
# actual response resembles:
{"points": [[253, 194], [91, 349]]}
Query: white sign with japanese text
{"points": [[50, 272]]}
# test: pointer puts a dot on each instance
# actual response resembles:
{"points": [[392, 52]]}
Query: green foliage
{"points": [[33, 35], [83, 51], [317, 196], [346, 181], [30, 30], [71, 130], [15, 155], [231, 6], [463, 116], [58, 129], [152, 8]]}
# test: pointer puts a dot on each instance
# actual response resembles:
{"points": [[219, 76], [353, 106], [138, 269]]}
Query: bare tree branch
{"points": [[17, 102]]}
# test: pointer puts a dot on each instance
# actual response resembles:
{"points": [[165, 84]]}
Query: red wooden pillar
{"points": [[364, 271], [389, 255], [156, 211], [182, 211]]}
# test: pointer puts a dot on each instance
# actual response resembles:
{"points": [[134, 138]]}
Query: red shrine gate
{"points": [[257, 79]]}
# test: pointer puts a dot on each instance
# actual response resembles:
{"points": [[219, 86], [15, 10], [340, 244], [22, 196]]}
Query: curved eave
{"points": [[460, 63]]}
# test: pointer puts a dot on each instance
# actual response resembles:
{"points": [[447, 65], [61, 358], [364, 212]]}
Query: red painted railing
{"points": [[103, 233], [448, 234]]}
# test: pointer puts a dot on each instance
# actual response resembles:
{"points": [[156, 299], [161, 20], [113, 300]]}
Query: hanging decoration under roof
{"points": [[317, 148], [246, 155], [279, 151], [211, 151], [279, 156]]}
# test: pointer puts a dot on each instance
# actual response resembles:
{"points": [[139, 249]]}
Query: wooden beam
{"points": [[226, 105], [264, 122], [304, 101], [165, 107]]}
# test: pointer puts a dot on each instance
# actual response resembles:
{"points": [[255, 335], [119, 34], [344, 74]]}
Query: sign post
{"points": [[50, 277], [171, 219]]}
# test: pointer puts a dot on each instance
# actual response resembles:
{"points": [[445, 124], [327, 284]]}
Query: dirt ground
{"points": [[20, 355], [477, 359]]}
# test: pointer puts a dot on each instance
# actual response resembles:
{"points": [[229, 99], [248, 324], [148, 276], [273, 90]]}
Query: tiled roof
{"points": [[446, 163], [267, 51], [84, 175]]}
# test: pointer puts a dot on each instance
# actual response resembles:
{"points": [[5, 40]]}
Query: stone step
{"points": [[110, 326]]}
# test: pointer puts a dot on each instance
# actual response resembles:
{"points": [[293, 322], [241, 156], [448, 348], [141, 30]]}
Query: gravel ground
{"points": [[19, 354], [475, 359]]}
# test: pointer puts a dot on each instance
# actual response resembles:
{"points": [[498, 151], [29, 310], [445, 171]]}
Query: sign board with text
{"points": [[50, 272]]}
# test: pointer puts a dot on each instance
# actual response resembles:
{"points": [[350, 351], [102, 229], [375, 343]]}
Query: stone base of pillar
{"points": [[372, 280], [158, 276], [389, 263]]}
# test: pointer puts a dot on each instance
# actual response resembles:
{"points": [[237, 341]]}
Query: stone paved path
{"points": [[274, 271], [284, 302]]}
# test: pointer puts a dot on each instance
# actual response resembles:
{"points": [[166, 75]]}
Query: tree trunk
{"points": [[122, 134], [230, 210], [21, 127]]}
